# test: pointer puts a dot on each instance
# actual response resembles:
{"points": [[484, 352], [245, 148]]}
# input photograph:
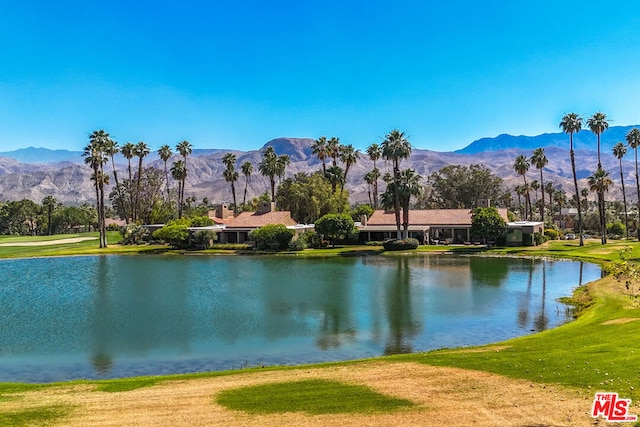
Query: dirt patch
{"points": [[444, 396], [620, 321], [50, 242]]}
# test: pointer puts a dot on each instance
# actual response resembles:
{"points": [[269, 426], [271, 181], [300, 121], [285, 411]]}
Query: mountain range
{"points": [[34, 173]]}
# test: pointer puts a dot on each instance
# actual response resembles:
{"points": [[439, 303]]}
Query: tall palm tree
{"points": [[535, 186], [349, 156], [333, 148], [231, 176], [598, 124], [319, 149], [521, 166], [283, 161], [520, 191], [368, 178], [95, 157], [633, 139], [410, 185], [572, 123], [335, 176], [246, 169], [49, 202], [141, 150], [539, 160], [619, 151], [599, 183], [127, 151], [185, 149], [273, 165], [548, 188], [179, 173], [375, 152], [165, 154], [396, 147], [111, 148], [371, 178]]}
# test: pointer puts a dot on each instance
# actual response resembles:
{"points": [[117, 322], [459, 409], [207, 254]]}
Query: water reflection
{"points": [[97, 317]]}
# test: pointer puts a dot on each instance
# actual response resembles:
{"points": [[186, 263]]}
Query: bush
{"points": [[133, 234], [175, 235], [551, 233], [313, 240], [539, 238], [616, 229], [272, 236], [205, 238], [200, 221], [231, 246], [113, 227], [400, 244], [297, 245]]}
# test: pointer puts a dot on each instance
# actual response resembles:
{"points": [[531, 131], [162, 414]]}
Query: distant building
{"points": [[521, 233]]}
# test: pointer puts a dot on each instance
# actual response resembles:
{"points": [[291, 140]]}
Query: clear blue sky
{"points": [[235, 74]]}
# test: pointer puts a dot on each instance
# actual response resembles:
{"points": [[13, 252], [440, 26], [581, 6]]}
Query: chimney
{"points": [[223, 211], [483, 203], [266, 207], [363, 220]]}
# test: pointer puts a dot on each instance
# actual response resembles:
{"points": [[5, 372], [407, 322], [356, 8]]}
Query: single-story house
{"points": [[237, 229], [520, 233], [426, 225]]}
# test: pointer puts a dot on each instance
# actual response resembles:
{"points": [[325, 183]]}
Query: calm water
{"points": [[118, 316]]}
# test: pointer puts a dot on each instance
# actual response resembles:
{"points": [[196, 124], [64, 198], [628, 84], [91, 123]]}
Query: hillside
{"points": [[69, 181]]}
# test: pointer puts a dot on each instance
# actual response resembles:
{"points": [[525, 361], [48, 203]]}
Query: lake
{"points": [[68, 318]]}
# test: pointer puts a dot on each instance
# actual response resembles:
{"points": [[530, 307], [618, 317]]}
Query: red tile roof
{"points": [[432, 217], [255, 220]]}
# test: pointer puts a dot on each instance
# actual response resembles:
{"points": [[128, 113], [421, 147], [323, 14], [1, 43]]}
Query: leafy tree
{"points": [[272, 236], [395, 148], [486, 223], [152, 205], [175, 235], [459, 187], [616, 228], [599, 183], [335, 226], [619, 150], [633, 139], [572, 123], [363, 209], [521, 166], [539, 160], [309, 197]]}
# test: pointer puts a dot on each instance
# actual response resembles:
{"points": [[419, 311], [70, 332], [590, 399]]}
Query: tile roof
{"points": [[255, 219], [432, 217]]}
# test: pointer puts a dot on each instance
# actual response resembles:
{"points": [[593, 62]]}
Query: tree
{"points": [[521, 166], [111, 148], [333, 148], [410, 185], [539, 160], [271, 166], [548, 188], [598, 124], [349, 156], [309, 196], [375, 152], [231, 176], [335, 226], [185, 149], [49, 203], [335, 176], [460, 187], [486, 223], [246, 169], [272, 236], [619, 151], [165, 154], [396, 147], [319, 149], [94, 156], [599, 183], [633, 139], [179, 173], [141, 150], [572, 123]]}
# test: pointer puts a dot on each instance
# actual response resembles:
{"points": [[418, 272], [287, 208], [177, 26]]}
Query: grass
{"points": [[40, 416], [312, 397]]}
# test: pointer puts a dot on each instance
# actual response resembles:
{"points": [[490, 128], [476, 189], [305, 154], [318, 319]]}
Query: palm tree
{"points": [[349, 156], [633, 139], [179, 173], [273, 165], [141, 150], [535, 186], [185, 149], [548, 188], [539, 160], [598, 124], [101, 179], [111, 148], [283, 161], [410, 185], [165, 154], [396, 147], [231, 176], [375, 152], [333, 148], [335, 176], [94, 156], [572, 123], [619, 150], [520, 191], [521, 166], [371, 178], [368, 178], [599, 183], [127, 151], [246, 169], [49, 202], [319, 149]]}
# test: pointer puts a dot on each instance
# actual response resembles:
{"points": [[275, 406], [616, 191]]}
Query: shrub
{"points": [[175, 235], [539, 238], [205, 238], [400, 244], [616, 228], [313, 240], [335, 226], [113, 227], [551, 233], [272, 236], [200, 221], [133, 234], [297, 245]]}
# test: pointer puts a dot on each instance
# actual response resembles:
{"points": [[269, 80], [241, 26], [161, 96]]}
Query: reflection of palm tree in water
{"points": [[523, 310], [541, 321], [402, 326], [101, 359]]}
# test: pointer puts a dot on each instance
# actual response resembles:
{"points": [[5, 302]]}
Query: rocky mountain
{"points": [[69, 180]]}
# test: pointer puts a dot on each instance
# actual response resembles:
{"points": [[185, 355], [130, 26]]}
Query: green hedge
{"points": [[400, 244]]}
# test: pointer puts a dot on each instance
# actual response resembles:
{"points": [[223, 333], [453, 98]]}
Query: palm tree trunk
{"points": [[246, 184], [603, 221], [635, 150], [575, 184], [542, 199], [118, 190], [235, 204], [166, 175], [396, 196], [624, 201], [272, 181], [375, 194], [136, 207]]}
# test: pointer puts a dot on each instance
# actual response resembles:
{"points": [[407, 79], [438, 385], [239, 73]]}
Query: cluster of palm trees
{"points": [[325, 149], [179, 170], [231, 175]]}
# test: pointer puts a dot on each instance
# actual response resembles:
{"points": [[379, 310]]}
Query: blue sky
{"points": [[236, 74]]}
